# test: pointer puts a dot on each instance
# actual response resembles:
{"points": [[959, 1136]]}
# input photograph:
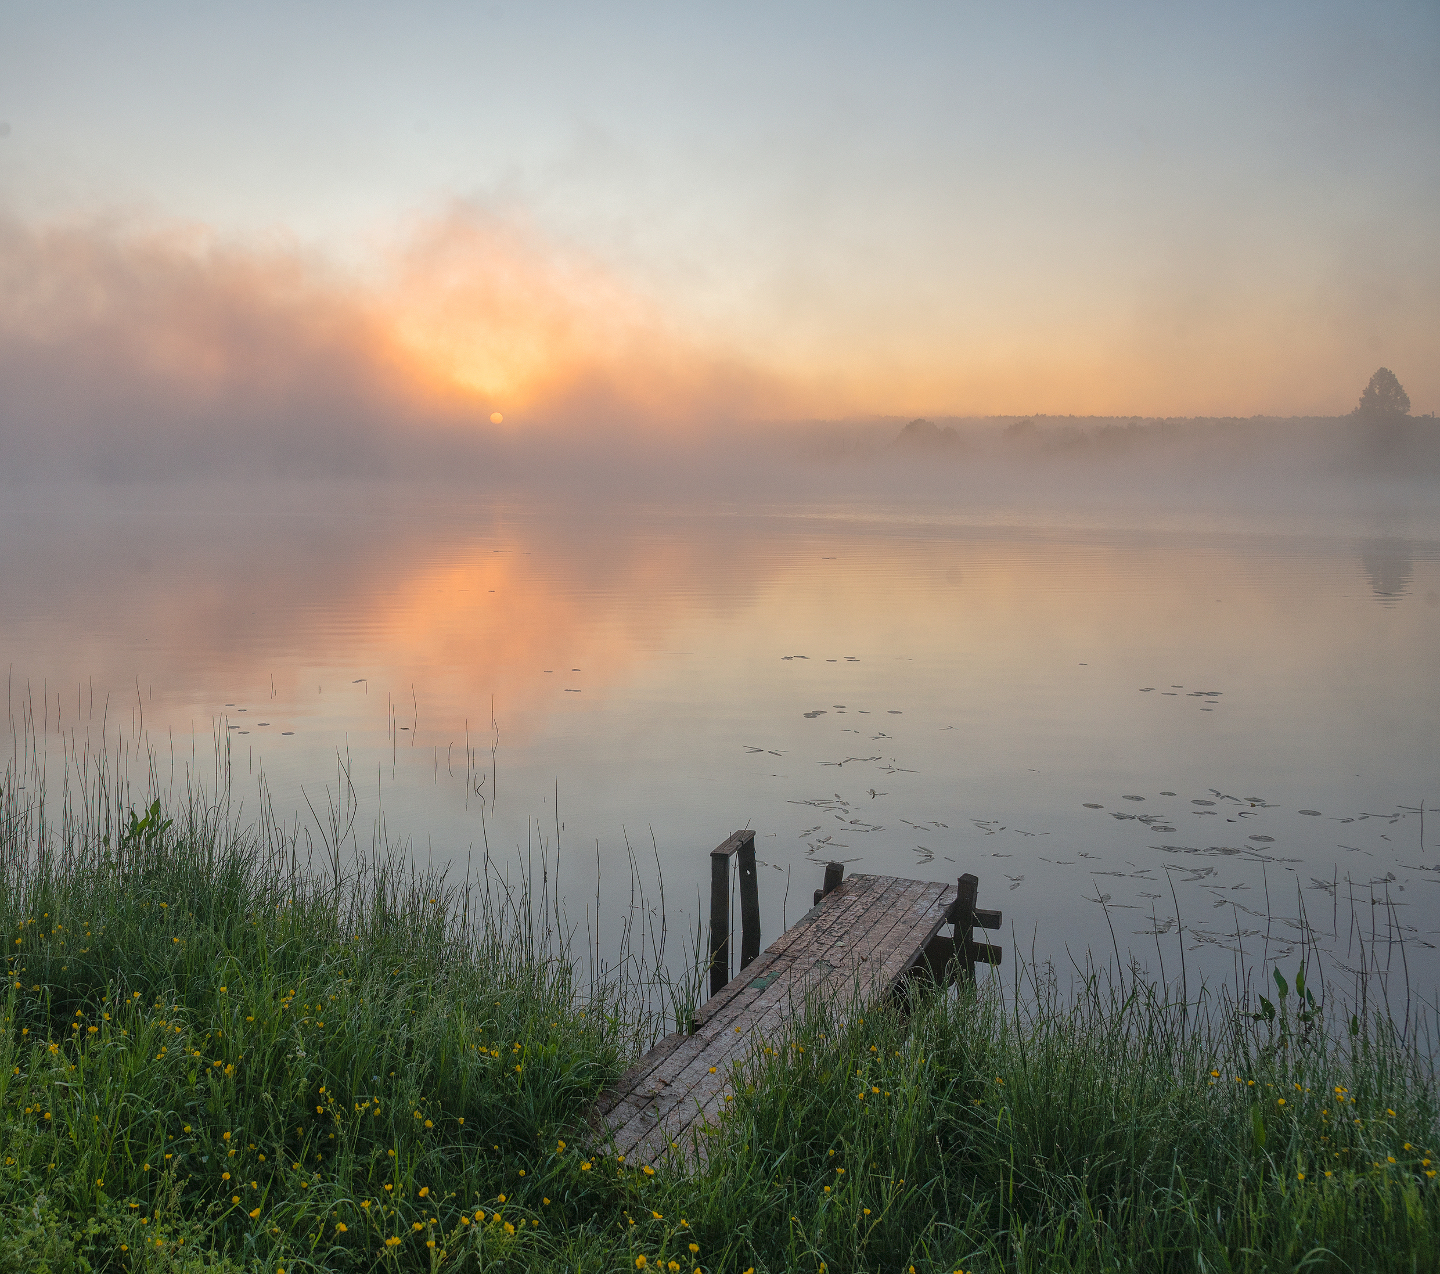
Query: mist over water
{"points": [[491, 539], [1188, 705]]}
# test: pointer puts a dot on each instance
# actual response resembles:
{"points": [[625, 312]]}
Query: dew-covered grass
{"points": [[213, 1057]]}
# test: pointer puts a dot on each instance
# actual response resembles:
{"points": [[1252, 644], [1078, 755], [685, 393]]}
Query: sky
{"points": [[444, 211]]}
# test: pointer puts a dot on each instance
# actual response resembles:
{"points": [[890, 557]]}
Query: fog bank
{"points": [[475, 354]]}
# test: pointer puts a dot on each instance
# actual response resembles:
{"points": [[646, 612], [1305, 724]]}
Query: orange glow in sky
{"points": [[950, 210], [468, 317]]}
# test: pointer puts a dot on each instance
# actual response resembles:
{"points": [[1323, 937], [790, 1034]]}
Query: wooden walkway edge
{"points": [[855, 948]]}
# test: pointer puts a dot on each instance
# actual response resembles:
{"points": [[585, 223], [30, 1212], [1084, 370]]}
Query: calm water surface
{"points": [[1106, 722]]}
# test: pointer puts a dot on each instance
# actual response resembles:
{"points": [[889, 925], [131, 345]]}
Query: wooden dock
{"points": [[865, 937]]}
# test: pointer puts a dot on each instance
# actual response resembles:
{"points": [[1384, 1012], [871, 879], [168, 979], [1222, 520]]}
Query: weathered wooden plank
{"points": [[716, 1042], [648, 1094], [850, 985], [686, 1074], [891, 926], [850, 936], [840, 910], [647, 1104], [925, 914], [849, 940], [627, 1082], [928, 913], [903, 916], [732, 843], [850, 950]]}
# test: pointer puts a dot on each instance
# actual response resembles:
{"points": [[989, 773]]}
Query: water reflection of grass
{"points": [[212, 1057]]}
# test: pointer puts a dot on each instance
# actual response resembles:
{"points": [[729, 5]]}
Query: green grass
{"points": [[212, 1058]]}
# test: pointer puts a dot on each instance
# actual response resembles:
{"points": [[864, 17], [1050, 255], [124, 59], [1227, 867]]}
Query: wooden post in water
{"points": [[961, 953], [743, 844], [749, 901], [834, 874], [719, 921], [962, 914]]}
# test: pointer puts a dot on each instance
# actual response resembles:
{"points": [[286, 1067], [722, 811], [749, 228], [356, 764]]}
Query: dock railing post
{"points": [[963, 917], [834, 874], [749, 901], [741, 843], [719, 921]]}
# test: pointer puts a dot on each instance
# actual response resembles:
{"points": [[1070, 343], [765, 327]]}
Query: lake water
{"points": [[1232, 719]]}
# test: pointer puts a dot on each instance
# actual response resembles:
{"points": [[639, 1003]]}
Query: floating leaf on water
{"points": [[1146, 689], [1090, 805], [1268, 840], [1311, 813], [819, 712], [1133, 798], [1202, 802]]}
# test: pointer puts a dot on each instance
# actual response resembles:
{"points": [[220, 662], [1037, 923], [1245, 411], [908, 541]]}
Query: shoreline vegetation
{"points": [[215, 1056]]}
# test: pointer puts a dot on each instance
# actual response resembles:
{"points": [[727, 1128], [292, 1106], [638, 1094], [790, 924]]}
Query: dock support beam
{"points": [[741, 844]]}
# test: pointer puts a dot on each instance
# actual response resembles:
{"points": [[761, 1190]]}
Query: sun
{"points": [[496, 418]]}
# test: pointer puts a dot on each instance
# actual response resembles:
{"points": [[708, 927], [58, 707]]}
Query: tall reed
{"points": [[224, 1046]]}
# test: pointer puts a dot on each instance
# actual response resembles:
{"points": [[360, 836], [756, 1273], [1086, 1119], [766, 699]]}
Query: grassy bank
{"points": [[211, 1058]]}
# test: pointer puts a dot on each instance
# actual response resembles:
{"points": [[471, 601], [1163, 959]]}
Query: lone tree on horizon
{"points": [[1384, 401]]}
